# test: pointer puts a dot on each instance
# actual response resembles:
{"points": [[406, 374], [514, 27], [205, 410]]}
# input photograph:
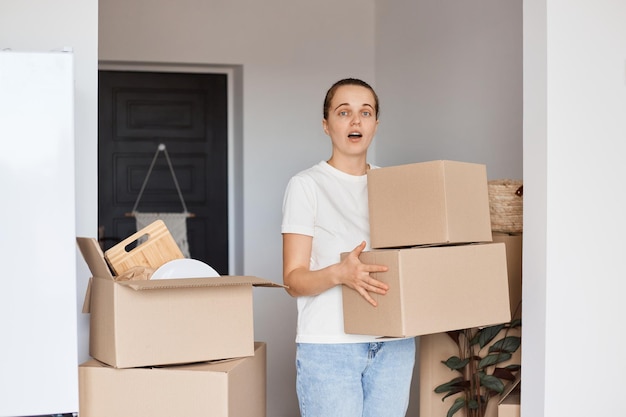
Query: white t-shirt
{"points": [[332, 207]]}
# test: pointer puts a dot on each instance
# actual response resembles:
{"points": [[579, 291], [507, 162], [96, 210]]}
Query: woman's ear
{"points": [[325, 125]]}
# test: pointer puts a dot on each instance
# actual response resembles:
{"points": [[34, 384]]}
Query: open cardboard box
{"points": [[233, 388], [432, 290], [167, 321], [435, 202]]}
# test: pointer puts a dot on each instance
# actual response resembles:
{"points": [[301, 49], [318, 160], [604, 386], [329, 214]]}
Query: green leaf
{"points": [[513, 367], [492, 383], [493, 359], [453, 384], [508, 344], [458, 404], [455, 363], [451, 393], [487, 334]]}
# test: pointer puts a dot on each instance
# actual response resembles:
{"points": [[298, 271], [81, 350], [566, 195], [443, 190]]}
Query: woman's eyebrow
{"points": [[342, 104], [347, 104]]}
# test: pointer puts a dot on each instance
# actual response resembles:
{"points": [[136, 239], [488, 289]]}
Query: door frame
{"points": [[234, 131]]}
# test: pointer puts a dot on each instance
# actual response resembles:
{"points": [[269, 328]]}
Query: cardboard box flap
{"points": [[226, 280], [87, 302], [93, 255]]}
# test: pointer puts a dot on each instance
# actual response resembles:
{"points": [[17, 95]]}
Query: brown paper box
{"points": [[235, 388], [169, 321], [513, 244], [432, 290], [436, 202], [510, 402], [433, 349], [510, 407], [437, 347]]}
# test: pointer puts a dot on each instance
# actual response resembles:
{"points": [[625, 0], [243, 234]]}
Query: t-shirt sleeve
{"points": [[299, 207]]}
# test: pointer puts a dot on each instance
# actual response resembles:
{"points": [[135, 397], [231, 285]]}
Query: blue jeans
{"points": [[355, 379]]}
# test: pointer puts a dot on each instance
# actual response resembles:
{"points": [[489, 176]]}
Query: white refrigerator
{"points": [[38, 352]]}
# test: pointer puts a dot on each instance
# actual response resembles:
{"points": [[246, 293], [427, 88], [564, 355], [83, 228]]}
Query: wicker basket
{"points": [[506, 205]]}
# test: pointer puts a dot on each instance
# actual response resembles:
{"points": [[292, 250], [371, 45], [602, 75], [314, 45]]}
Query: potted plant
{"points": [[481, 372]]}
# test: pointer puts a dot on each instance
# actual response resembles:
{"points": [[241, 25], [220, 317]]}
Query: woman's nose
{"points": [[356, 120]]}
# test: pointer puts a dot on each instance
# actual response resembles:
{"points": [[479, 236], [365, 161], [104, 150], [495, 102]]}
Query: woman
{"points": [[325, 213]]}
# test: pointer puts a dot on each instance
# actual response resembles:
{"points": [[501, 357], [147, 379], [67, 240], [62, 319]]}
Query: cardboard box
{"points": [[513, 243], [433, 349], [168, 321], [432, 290], [437, 347], [436, 202], [510, 400], [510, 407], [235, 388]]}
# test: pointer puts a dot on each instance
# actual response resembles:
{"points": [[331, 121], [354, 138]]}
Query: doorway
{"points": [[186, 112]]}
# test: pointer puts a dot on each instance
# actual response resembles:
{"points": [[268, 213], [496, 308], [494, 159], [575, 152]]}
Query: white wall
{"points": [[535, 207], [37, 86], [449, 74], [28, 25], [575, 126]]}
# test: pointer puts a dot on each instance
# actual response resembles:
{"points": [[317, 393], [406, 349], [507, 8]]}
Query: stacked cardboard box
{"points": [[170, 346], [435, 348], [430, 224], [510, 400]]}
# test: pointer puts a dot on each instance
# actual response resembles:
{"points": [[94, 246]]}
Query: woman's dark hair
{"points": [[348, 81]]}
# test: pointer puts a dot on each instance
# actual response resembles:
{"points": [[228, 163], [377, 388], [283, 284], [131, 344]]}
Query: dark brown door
{"points": [[188, 114]]}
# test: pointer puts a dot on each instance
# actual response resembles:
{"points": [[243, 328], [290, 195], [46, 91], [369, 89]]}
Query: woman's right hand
{"points": [[350, 271], [356, 275]]}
